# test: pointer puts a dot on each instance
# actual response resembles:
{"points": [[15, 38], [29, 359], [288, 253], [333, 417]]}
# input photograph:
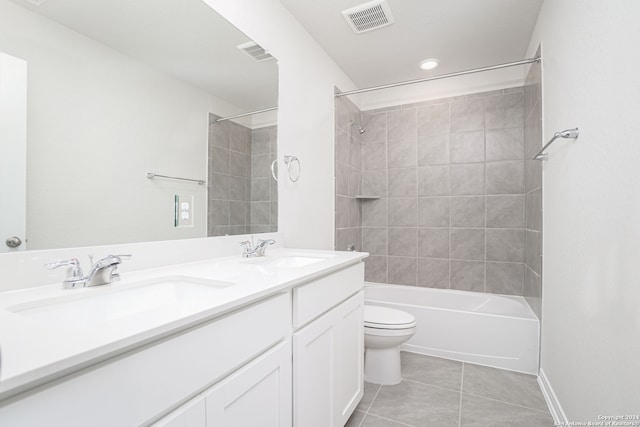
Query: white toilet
{"points": [[385, 329]]}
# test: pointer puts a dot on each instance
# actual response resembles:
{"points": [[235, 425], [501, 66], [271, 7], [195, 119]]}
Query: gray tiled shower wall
{"points": [[242, 195], [450, 175], [533, 187]]}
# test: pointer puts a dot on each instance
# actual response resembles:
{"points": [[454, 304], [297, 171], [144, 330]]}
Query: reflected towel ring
{"points": [[273, 170], [288, 160]]}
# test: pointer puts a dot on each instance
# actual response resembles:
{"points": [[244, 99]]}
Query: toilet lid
{"points": [[387, 318]]}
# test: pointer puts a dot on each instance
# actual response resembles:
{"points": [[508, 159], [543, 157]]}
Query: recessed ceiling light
{"points": [[429, 64]]}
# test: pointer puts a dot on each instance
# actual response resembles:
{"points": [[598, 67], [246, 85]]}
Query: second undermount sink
{"points": [[295, 261], [163, 298], [288, 261]]}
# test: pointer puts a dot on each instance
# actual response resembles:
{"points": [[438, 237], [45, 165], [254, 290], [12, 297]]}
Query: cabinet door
{"points": [[192, 414], [328, 357], [258, 394], [349, 358]]}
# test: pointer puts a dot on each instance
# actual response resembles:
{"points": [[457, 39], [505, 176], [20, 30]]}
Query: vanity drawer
{"points": [[144, 384], [313, 299]]}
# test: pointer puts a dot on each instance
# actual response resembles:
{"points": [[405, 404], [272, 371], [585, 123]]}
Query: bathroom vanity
{"points": [[269, 341]]}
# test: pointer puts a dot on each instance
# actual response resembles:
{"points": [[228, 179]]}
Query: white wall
{"points": [[307, 76], [591, 290], [97, 122]]}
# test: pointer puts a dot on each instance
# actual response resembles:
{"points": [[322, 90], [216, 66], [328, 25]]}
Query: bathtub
{"points": [[485, 329]]}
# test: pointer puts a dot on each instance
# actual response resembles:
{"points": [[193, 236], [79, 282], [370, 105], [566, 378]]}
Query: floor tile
{"points": [[479, 412], [370, 391], [432, 370], [417, 404], [506, 386], [375, 421], [355, 420]]}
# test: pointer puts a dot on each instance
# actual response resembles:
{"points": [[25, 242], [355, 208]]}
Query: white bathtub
{"points": [[486, 329]]}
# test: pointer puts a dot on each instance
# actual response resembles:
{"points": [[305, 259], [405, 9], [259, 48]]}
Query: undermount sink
{"points": [[169, 297]]}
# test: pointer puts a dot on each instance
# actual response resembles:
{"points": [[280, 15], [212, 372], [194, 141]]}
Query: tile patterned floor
{"points": [[440, 392]]}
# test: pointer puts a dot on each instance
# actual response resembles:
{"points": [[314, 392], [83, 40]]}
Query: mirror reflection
{"points": [[96, 95], [243, 194]]}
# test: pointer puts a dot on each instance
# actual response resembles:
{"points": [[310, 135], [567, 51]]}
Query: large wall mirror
{"points": [[95, 95]]}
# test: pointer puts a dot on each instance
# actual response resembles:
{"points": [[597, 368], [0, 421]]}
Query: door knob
{"points": [[13, 242]]}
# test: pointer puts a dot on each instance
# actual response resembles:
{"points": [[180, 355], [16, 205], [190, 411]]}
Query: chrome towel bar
{"points": [[568, 133], [151, 175]]}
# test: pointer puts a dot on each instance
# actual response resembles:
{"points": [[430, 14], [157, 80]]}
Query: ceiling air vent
{"points": [[255, 51], [368, 16]]}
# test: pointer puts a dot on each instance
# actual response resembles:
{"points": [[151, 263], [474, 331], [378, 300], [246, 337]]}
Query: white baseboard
{"points": [[559, 417]]}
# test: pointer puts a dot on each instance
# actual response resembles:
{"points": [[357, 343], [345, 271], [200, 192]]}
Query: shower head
{"points": [[352, 123]]}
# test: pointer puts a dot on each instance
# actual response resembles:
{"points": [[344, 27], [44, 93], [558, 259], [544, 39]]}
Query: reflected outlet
{"points": [[183, 213]]}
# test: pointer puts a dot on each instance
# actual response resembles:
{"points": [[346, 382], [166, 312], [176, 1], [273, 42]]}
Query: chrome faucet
{"points": [[102, 272], [259, 250]]}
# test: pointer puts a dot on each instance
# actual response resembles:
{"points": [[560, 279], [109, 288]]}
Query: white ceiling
{"points": [[186, 39], [463, 34]]}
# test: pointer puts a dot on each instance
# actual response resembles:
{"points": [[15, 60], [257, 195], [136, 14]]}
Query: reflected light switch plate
{"points": [[183, 216]]}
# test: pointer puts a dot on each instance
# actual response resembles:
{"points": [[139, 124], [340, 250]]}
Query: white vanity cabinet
{"points": [[258, 394], [328, 349], [191, 414], [138, 387], [292, 357]]}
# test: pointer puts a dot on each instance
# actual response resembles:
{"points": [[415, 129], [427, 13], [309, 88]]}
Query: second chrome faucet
{"points": [[258, 250]]}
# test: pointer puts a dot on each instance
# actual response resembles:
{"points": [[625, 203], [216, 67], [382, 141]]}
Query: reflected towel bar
{"points": [[151, 175], [568, 133]]}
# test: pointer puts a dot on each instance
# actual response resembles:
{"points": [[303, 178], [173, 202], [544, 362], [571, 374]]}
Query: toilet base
{"points": [[382, 366]]}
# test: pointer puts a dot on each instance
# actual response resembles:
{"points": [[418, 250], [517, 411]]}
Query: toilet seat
{"points": [[378, 317]]}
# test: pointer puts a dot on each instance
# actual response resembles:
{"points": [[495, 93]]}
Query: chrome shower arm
{"points": [[568, 133]]}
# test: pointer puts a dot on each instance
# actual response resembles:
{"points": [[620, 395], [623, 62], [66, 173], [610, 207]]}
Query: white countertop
{"points": [[35, 351]]}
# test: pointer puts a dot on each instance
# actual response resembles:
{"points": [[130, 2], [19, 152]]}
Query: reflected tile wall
{"points": [[533, 186], [242, 195], [450, 175], [349, 180], [263, 197]]}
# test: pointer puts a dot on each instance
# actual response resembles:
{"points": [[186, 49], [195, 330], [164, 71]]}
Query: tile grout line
{"points": [[374, 398], [484, 278], [386, 157], [366, 412], [450, 185], [461, 388], [392, 420], [507, 403], [430, 385], [417, 240]]}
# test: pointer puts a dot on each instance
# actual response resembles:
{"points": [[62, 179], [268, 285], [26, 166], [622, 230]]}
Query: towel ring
{"points": [[288, 160]]}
